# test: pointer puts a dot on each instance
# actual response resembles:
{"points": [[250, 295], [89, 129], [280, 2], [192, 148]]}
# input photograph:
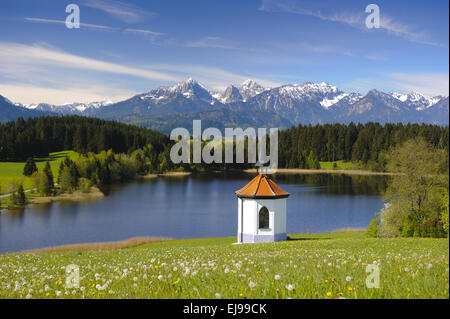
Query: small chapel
{"points": [[261, 211]]}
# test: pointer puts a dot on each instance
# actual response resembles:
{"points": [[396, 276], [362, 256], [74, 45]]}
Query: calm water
{"points": [[190, 207]]}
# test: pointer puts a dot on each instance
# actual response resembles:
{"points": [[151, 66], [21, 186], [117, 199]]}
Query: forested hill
{"points": [[21, 139], [365, 143], [302, 146]]}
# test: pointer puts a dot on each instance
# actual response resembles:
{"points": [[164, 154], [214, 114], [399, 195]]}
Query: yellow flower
{"points": [[326, 280], [329, 294], [47, 294], [241, 295], [350, 288]]}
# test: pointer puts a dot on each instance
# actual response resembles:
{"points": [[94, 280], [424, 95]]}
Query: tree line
{"points": [[366, 144], [37, 137], [302, 146]]}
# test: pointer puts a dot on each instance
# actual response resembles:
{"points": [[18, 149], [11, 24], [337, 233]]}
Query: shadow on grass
{"points": [[52, 157]]}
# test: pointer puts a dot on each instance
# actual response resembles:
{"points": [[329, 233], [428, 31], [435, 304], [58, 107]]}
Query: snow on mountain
{"points": [[66, 108], [249, 89], [416, 100], [231, 94], [189, 88], [326, 103], [297, 103]]}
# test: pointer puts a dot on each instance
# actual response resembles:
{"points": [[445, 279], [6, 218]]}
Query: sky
{"points": [[130, 47]]}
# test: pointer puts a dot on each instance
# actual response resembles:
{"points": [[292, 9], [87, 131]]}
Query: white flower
{"points": [[217, 295], [135, 278], [28, 296], [251, 284], [160, 277], [348, 278], [277, 277], [58, 293], [290, 287], [226, 270]]}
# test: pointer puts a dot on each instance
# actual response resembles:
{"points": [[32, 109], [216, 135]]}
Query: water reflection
{"points": [[200, 205]]}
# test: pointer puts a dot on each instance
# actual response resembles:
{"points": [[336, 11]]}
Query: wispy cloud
{"points": [[143, 32], [320, 48], [29, 93], [32, 55], [84, 25], [125, 12], [213, 42], [214, 78], [321, 10], [407, 32], [428, 84], [42, 73]]}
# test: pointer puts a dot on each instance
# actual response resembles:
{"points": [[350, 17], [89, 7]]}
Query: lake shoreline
{"points": [[134, 242], [96, 193], [321, 171], [77, 196], [97, 246]]}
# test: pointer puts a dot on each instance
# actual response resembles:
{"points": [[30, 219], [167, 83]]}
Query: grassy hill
{"points": [[13, 171], [329, 265]]}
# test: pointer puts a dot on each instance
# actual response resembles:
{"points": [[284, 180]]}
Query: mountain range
{"points": [[249, 104]]}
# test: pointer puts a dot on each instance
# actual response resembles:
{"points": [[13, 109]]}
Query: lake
{"points": [[194, 206]]}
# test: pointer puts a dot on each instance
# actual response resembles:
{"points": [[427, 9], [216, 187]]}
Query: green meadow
{"points": [[11, 172], [339, 165], [325, 266]]}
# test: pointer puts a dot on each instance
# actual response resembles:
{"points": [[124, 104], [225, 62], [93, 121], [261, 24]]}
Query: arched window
{"points": [[263, 218]]}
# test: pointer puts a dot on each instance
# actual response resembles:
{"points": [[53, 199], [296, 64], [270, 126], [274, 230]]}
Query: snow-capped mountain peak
{"points": [[416, 100], [66, 108], [249, 89]]}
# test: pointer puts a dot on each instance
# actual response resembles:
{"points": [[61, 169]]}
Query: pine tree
{"points": [[312, 161], [30, 167], [18, 197], [21, 199], [46, 185]]}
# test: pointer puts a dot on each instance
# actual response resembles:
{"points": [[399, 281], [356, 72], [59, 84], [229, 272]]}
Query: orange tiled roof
{"points": [[261, 187]]}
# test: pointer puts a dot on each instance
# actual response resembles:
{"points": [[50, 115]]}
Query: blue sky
{"points": [[125, 48]]}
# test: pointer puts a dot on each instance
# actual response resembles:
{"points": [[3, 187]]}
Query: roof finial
{"points": [[262, 166]]}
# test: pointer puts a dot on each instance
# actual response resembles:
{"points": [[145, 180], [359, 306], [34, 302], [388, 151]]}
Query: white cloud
{"points": [[144, 32], [29, 94], [353, 19], [213, 42], [214, 78], [83, 25], [42, 73], [427, 84], [123, 11], [33, 55]]}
